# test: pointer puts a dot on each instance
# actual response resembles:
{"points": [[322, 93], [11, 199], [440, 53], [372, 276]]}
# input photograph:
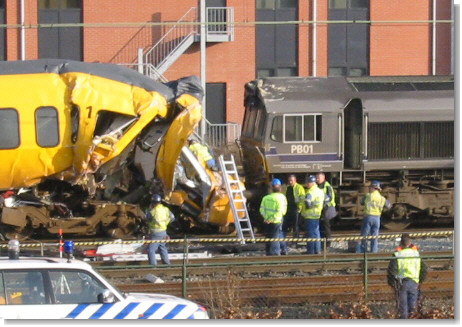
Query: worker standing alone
{"points": [[159, 217], [374, 203], [405, 273], [273, 207], [311, 212]]}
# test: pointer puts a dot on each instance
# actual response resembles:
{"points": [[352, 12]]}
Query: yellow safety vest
{"points": [[273, 207], [373, 203], [332, 201], [299, 195], [317, 200], [408, 264], [160, 218], [200, 151]]}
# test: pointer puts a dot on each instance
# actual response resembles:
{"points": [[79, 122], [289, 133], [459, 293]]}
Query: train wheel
{"points": [[7, 233], [396, 219], [396, 226]]}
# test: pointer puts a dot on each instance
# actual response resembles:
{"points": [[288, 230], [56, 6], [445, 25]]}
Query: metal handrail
{"points": [[148, 70], [170, 40], [218, 19]]}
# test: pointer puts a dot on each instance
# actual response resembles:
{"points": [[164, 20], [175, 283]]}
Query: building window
{"points": [[59, 4], [2, 31], [9, 125], [348, 44], [60, 42], [276, 44], [46, 127]]}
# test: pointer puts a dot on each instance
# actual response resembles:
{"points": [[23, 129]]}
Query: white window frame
{"points": [[303, 127]]}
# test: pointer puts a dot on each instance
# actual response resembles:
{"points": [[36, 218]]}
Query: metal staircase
{"points": [[179, 38], [236, 199]]}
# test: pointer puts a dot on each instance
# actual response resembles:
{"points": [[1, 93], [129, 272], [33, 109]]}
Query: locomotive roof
{"points": [[305, 94], [110, 71]]}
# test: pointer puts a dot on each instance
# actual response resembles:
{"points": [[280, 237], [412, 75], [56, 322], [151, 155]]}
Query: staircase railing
{"points": [[217, 135], [172, 38]]}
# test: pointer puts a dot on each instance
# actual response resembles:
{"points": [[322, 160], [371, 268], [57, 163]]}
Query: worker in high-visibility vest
{"points": [[374, 203], [273, 207], [328, 211], [311, 213], [406, 271], [203, 154], [159, 217], [295, 194]]}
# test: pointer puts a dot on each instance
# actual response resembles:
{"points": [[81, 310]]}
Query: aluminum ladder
{"points": [[236, 198]]}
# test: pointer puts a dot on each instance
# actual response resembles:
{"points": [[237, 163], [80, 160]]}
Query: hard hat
{"points": [[376, 184], [310, 179], [276, 181], [156, 198]]}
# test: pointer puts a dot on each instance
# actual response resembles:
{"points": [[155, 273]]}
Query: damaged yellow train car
{"points": [[83, 145]]}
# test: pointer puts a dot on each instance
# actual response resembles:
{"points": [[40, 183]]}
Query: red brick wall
{"points": [[13, 35], [118, 45], [400, 49], [232, 63]]}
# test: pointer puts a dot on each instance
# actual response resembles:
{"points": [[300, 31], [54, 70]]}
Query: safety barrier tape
{"points": [[236, 240]]}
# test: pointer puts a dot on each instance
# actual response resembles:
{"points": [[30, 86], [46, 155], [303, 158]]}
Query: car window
{"points": [[75, 287], [24, 287]]}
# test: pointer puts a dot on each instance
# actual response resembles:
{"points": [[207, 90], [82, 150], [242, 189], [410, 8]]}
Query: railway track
{"points": [[270, 281], [310, 289]]}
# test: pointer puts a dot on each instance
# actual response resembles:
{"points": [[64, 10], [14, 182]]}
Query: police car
{"points": [[56, 288]]}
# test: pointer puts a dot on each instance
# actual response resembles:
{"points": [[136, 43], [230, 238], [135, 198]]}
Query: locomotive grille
{"points": [[410, 140]]}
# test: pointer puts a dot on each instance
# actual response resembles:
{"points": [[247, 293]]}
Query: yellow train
{"points": [[83, 145]]}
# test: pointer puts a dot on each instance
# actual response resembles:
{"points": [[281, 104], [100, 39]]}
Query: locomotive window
{"points": [[251, 124], [75, 118], [9, 125], [293, 128], [260, 124], [46, 127], [276, 129], [302, 128]]}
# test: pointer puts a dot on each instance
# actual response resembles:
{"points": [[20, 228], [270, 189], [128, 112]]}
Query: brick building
{"points": [[113, 31]]}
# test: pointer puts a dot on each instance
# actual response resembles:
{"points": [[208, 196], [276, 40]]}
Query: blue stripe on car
{"points": [[176, 310], [129, 308], [151, 310], [104, 308], [78, 310]]}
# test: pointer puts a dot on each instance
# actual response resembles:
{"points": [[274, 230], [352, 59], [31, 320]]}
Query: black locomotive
{"points": [[398, 130]]}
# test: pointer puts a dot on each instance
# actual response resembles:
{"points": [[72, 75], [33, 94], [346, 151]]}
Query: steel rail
{"points": [[298, 289]]}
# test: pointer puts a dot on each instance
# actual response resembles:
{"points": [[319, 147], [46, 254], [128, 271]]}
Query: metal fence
{"points": [[217, 135], [341, 285]]}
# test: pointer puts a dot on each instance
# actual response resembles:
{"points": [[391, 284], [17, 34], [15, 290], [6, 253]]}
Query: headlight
{"points": [[201, 313]]}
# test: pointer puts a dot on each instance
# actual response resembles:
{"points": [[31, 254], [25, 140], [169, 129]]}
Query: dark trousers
{"points": [[312, 231], [408, 294], [324, 225], [152, 248], [272, 231], [290, 222]]}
